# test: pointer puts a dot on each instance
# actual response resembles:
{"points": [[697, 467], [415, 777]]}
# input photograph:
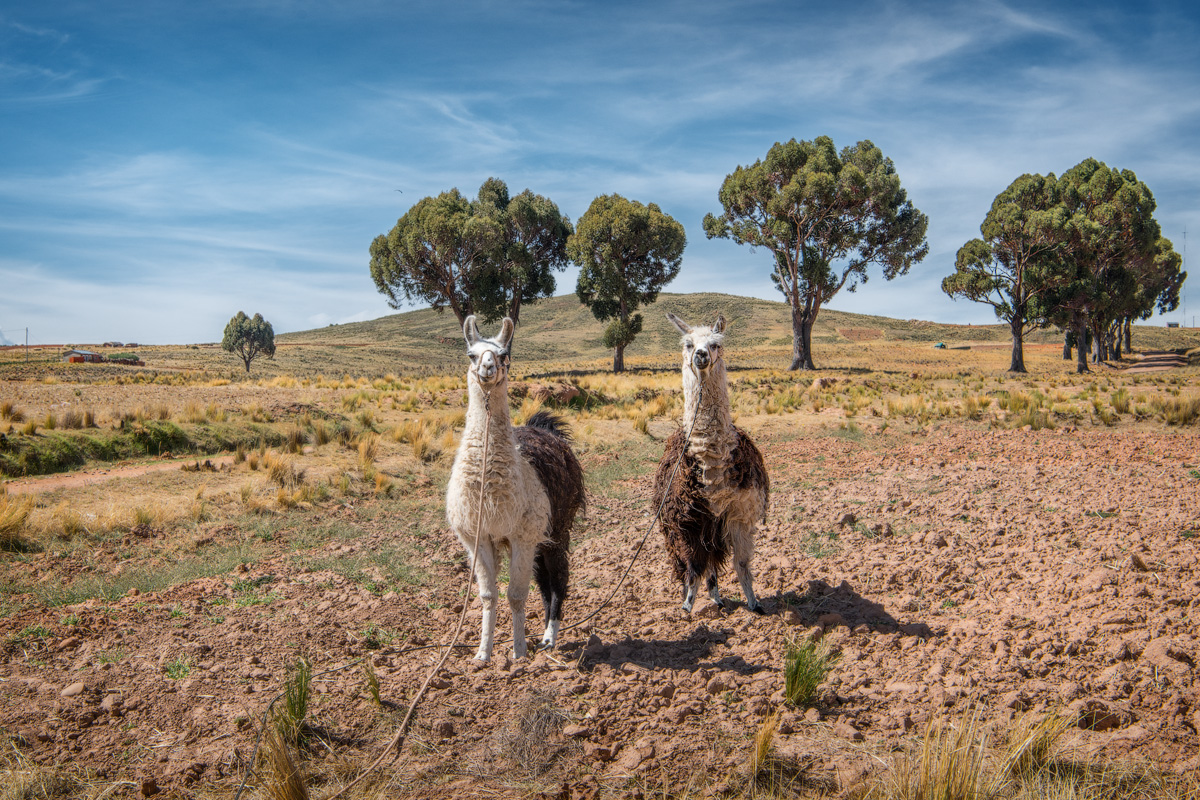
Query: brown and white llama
{"points": [[719, 492], [533, 488]]}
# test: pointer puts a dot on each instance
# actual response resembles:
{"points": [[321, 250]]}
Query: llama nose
{"points": [[700, 359]]}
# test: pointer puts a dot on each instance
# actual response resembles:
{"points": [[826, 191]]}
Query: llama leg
{"points": [[691, 580], [485, 576], [713, 591], [743, 552], [520, 572], [551, 569]]}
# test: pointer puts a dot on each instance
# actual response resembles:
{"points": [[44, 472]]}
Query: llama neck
{"points": [[711, 423], [490, 415]]}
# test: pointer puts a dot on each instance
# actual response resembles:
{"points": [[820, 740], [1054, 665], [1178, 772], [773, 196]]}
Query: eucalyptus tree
{"points": [[530, 245], [825, 217], [249, 337], [626, 253], [436, 253], [1016, 262], [1110, 231], [1158, 281]]}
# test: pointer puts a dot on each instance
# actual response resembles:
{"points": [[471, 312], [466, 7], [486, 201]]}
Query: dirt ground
{"points": [[957, 570]]}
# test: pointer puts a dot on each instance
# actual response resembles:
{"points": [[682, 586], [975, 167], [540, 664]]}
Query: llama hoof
{"points": [[758, 609]]}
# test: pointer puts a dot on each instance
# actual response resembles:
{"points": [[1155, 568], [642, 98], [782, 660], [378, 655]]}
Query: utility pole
{"points": [[26, 344]]}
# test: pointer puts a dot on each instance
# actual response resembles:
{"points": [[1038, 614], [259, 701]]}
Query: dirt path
{"points": [[70, 480]]}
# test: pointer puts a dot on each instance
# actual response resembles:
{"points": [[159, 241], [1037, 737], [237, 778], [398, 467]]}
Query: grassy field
{"points": [[351, 428]]}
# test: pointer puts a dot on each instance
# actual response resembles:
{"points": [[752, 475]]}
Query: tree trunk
{"points": [[1081, 328], [1128, 335], [619, 354], [1115, 342], [1067, 345], [802, 325], [1098, 354], [1017, 326]]}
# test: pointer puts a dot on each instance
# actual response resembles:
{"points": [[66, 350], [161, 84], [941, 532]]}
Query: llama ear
{"points": [[506, 333], [719, 325], [470, 331], [679, 324]]}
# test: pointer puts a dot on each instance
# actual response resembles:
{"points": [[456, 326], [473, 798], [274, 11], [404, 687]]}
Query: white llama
{"points": [[719, 492], [533, 488]]}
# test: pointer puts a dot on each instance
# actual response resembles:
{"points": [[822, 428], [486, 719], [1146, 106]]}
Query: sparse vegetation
{"points": [[143, 565]]}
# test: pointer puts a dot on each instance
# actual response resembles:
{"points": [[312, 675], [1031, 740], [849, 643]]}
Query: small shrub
{"points": [[178, 668], [50, 423], [294, 439], [320, 433], [805, 667], [290, 714], [282, 471], [368, 449]]}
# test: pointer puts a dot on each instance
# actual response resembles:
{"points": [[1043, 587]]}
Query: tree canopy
{"points": [[626, 253], [531, 244], [825, 217], [1111, 243], [485, 256], [1017, 260], [249, 338]]}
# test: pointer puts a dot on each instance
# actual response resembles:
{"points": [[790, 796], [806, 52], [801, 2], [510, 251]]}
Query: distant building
{"points": [[83, 357]]}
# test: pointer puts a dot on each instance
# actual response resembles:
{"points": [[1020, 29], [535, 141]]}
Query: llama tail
{"points": [[550, 423]]}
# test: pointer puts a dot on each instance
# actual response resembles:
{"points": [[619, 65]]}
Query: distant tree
{"points": [[812, 208], [1158, 281], [249, 338], [530, 245], [1015, 262], [1110, 233], [435, 253], [626, 253]]}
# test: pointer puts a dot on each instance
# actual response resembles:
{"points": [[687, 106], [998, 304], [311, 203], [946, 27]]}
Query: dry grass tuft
{"points": [[282, 471], [14, 516], [951, 766], [282, 778], [533, 740]]}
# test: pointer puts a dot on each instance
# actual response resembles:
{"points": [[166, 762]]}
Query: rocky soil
{"points": [[958, 572]]}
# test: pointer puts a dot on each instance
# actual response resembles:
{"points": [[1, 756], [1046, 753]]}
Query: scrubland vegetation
{"points": [[211, 472]]}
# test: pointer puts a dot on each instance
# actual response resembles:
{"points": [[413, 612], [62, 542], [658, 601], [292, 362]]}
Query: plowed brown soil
{"points": [[957, 571]]}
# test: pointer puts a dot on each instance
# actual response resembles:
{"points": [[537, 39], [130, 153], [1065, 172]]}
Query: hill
{"points": [[560, 333]]}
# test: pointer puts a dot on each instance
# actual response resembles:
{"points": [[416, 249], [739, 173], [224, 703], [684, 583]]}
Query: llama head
{"points": [[489, 357], [701, 345]]}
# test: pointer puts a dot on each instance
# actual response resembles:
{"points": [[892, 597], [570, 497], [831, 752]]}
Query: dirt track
{"points": [[1003, 571]]}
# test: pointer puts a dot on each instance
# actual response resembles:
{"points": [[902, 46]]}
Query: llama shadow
{"points": [[820, 602], [686, 655]]}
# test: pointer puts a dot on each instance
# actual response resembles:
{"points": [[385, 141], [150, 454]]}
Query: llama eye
{"points": [[689, 345], [474, 356]]}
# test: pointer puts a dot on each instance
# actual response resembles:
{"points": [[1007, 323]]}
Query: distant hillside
{"points": [[560, 332]]}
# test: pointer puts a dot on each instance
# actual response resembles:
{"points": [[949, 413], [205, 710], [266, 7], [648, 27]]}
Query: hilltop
{"points": [[559, 334]]}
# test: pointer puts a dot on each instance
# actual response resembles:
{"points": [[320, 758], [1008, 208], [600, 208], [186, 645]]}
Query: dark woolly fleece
{"points": [[695, 538], [544, 442]]}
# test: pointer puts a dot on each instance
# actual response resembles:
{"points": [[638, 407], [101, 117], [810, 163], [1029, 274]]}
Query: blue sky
{"points": [[165, 164]]}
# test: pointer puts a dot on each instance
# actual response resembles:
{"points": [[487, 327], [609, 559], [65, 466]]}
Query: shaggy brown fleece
{"points": [[695, 537]]}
